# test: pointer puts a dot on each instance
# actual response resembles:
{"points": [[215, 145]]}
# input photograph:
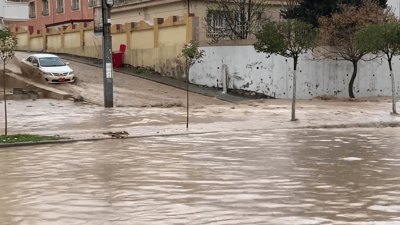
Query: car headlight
{"points": [[71, 73], [47, 73]]}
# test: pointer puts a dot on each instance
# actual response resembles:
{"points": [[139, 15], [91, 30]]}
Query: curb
{"points": [[99, 139], [43, 143], [333, 126], [219, 96], [17, 81], [356, 125]]}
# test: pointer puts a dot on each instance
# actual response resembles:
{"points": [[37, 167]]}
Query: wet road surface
{"points": [[286, 177]]}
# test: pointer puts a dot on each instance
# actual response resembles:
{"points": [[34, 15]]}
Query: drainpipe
{"points": [[53, 10], [224, 78], [2, 24], [81, 9]]}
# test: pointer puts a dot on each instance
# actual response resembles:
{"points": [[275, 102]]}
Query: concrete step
{"points": [[27, 89]]}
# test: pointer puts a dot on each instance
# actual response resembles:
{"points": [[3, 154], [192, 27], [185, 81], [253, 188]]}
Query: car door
{"points": [[35, 68], [25, 65]]}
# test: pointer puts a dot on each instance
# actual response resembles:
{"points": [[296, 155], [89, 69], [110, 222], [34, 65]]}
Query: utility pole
{"points": [[107, 54], [187, 82]]}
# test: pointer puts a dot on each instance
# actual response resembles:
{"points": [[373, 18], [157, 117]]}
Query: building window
{"points": [[60, 6], [32, 10], [45, 10], [216, 24], [75, 4], [94, 3], [222, 24]]}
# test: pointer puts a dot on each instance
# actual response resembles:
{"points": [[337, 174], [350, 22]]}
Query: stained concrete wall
{"points": [[118, 40], [93, 44], [142, 39], [36, 44], [22, 40], [171, 36], [54, 43], [249, 70], [127, 14]]}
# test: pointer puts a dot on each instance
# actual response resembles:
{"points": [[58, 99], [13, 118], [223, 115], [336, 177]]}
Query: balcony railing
{"points": [[129, 2], [17, 11], [224, 33]]}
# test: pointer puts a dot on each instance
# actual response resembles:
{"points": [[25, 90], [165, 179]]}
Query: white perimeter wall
{"points": [[249, 70], [395, 4]]}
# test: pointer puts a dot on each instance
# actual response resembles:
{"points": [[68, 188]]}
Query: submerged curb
{"points": [[44, 142], [356, 125], [100, 139], [329, 126]]}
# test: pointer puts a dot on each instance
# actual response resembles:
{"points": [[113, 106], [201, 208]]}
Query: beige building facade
{"points": [[153, 31], [147, 10]]}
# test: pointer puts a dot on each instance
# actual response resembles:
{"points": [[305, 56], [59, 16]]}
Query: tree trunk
{"points": [[187, 98], [294, 91], [353, 78], [5, 101], [393, 87]]}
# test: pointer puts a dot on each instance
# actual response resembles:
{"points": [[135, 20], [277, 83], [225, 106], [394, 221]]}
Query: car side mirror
{"points": [[36, 64], [67, 63]]}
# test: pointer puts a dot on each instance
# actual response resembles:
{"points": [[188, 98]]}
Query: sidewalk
{"points": [[212, 92], [82, 121]]}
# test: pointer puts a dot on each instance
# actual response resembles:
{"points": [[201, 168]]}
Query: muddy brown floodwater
{"points": [[258, 177]]}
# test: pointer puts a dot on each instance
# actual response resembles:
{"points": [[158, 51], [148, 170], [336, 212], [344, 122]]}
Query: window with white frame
{"points": [[45, 8], [32, 10], [75, 4], [60, 6]]}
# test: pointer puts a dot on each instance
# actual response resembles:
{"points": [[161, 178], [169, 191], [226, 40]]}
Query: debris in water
{"points": [[122, 134]]}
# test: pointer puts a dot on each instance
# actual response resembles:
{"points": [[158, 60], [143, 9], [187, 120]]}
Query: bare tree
{"points": [[287, 5], [8, 44], [337, 32], [235, 19], [189, 57]]}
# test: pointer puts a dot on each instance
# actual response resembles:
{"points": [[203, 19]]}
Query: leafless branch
{"points": [[235, 19]]}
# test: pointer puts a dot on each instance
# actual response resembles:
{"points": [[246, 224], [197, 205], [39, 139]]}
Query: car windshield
{"points": [[51, 61]]}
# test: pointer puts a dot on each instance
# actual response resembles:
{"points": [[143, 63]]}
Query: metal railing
{"points": [[242, 32], [127, 2]]}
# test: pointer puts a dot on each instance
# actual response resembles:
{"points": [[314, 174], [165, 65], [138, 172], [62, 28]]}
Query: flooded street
{"points": [[348, 176]]}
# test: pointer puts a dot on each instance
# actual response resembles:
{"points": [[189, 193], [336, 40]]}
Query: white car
{"points": [[48, 68]]}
